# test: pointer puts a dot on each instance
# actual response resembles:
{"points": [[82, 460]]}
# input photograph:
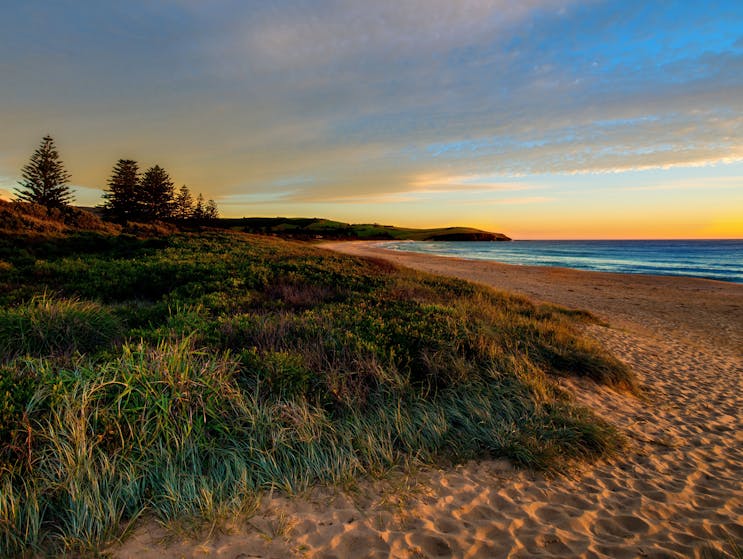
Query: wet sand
{"points": [[676, 490]]}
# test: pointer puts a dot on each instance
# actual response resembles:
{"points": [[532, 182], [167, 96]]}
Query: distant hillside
{"points": [[34, 220], [18, 218], [315, 228]]}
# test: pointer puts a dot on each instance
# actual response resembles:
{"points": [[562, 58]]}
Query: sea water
{"points": [[712, 259]]}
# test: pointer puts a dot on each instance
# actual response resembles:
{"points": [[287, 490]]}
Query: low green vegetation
{"points": [[180, 376], [46, 326], [312, 228]]}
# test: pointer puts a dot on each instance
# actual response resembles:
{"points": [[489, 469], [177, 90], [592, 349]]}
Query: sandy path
{"points": [[676, 489]]}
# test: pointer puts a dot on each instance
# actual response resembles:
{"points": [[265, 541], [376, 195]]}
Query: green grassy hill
{"points": [[310, 228], [314, 228]]}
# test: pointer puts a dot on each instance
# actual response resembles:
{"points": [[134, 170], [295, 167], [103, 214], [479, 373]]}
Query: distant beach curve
{"points": [[710, 259]]}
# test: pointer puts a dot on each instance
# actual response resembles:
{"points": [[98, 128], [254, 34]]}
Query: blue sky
{"points": [[539, 118]]}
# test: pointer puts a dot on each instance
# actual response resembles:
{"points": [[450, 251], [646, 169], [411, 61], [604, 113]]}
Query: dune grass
{"points": [[46, 325], [212, 367]]}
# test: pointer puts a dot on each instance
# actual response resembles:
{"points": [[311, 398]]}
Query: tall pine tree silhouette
{"points": [[122, 201], [44, 179], [156, 194], [199, 209], [183, 204], [210, 211]]}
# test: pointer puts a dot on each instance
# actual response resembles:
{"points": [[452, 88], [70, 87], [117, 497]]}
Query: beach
{"points": [[675, 490]]}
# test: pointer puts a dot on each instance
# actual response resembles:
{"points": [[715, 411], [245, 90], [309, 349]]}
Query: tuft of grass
{"points": [[18, 384], [48, 326]]}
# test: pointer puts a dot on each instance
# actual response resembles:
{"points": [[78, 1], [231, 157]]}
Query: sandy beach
{"points": [[675, 490]]}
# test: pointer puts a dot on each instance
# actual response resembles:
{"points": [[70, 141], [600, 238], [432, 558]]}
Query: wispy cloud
{"points": [[441, 182], [709, 183], [521, 201], [296, 33]]}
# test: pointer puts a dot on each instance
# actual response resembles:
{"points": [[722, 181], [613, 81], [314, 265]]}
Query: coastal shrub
{"points": [[91, 244], [160, 321], [117, 280], [281, 373], [48, 326], [296, 293]]}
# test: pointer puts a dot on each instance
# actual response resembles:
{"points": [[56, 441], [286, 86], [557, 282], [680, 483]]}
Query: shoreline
{"points": [[672, 493], [376, 245], [691, 307]]}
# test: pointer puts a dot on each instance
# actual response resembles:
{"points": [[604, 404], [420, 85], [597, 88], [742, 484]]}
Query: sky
{"points": [[541, 119]]}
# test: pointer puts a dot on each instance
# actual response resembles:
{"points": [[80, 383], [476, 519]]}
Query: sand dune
{"points": [[675, 490]]}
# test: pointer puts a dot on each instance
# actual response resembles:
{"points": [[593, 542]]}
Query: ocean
{"points": [[712, 259]]}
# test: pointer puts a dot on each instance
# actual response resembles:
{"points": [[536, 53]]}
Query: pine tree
{"points": [[122, 198], [210, 211], [183, 205], [199, 210], [156, 194], [44, 179]]}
